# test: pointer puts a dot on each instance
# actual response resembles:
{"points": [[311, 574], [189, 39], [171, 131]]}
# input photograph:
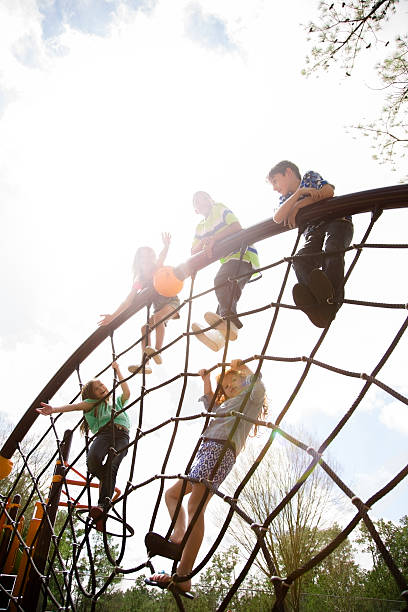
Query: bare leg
{"points": [[195, 539], [145, 331], [145, 336], [163, 312], [172, 496]]}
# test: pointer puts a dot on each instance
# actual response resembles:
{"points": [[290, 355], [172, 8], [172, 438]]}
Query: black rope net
{"points": [[56, 556]]}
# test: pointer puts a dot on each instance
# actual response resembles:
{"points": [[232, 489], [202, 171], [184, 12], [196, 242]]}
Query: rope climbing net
{"points": [[38, 556]]}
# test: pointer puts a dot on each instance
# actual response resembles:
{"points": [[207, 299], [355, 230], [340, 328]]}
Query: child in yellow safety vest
{"points": [[218, 223]]}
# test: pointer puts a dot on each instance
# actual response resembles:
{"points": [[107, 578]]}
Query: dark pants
{"points": [[334, 235], [97, 453], [230, 292]]}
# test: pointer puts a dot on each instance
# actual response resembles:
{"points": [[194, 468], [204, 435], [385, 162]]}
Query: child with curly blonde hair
{"points": [[223, 440]]}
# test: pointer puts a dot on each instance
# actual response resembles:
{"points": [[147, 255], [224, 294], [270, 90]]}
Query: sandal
{"points": [[171, 586]]}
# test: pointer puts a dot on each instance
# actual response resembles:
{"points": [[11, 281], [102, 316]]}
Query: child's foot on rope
{"points": [[322, 289], [221, 325], [306, 301], [164, 581], [149, 350], [139, 369], [157, 545], [213, 339], [320, 286], [96, 514]]}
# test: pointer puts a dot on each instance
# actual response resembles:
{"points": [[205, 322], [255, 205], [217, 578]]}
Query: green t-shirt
{"points": [[103, 415]]}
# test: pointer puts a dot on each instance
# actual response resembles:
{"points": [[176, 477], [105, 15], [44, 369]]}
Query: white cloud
{"points": [[207, 29], [394, 416]]}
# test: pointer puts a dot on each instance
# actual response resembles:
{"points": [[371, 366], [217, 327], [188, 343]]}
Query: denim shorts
{"points": [[206, 458]]}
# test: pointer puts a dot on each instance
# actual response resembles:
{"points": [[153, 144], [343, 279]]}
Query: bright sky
{"points": [[111, 115]]}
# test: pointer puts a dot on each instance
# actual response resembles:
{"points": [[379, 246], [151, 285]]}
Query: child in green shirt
{"points": [[98, 417]]}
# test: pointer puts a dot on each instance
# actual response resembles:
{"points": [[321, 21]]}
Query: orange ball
{"points": [[166, 282]]}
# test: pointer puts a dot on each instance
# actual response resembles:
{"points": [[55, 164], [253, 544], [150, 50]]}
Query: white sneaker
{"points": [[149, 350], [213, 339], [139, 369], [212, 319]]}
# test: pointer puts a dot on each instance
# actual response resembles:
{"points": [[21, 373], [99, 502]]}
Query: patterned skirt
{"points": [[206, 458]]}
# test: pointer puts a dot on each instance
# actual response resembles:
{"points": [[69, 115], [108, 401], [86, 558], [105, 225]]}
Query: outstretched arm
{"points": [[46, 409], [166, 238], [123, 384], [108, 318]]}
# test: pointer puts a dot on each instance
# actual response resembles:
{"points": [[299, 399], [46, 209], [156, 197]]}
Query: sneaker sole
{"points": [[220, 325], [96, 513], [139, 369], [214, 344], [320, 286], [149, 350], [305, 300]]}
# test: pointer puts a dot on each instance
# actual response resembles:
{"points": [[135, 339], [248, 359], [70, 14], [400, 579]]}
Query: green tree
{"points": [[98, 567], [29, 484], [344, 30], [20, 481], [211, 588], [37, 479], [254, 595], [139, 597], [378, 581], [294, 535], [336, 582]]}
